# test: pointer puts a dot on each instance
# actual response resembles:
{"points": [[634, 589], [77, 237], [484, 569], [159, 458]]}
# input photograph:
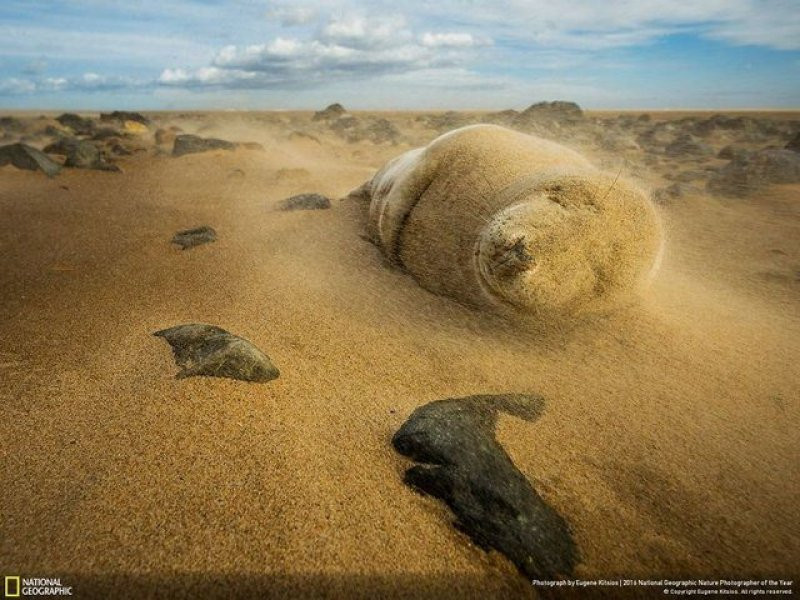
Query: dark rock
{"points": [[23, 156], [201, 349], [332, 111], [11, 125], [122, 116], [81, 154], [558, 110], [687, 145], [382, 130], [189, 238], [674, 191], [344, 123], [746, 174], [79, 125], [306, 202], [732, 151], [190, 144], [464, 465], [794, 143], [106, 132]]}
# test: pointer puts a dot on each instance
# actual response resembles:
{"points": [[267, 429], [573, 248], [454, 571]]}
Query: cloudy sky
{"points": [[146, 54]]}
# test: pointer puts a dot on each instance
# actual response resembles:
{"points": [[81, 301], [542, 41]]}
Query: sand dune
{"points": [[669, 439]]}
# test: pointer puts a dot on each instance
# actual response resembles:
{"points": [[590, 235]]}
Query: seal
{"points": [[497, 218]]}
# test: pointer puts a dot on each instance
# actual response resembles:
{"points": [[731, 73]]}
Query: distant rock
{"points": [[122, 115], [688, 176], [306, 202], [11, 125], [732, 151], [191, 144], [189, 238], [202, 349], [81, 154], [332, 111], [675, 191], [558, 110], [79, 125], [463, 464], [749, 173], [104, 133], [686, 145], [447, 121], [794, 143], [26, 157]]}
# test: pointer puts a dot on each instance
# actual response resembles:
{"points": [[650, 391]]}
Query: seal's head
{"points": [[568, 244]]}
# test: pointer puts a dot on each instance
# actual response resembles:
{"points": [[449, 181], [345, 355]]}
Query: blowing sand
{"points": [[669, 439]]}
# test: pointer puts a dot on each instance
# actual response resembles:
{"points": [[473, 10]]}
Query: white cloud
{"points": [[452, 40], [348, 47]]}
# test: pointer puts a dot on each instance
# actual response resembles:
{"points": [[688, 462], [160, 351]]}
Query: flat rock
{"points": [[750, 172], [463, 464], [27, 157], [189, 238], [208, 350], [191, 144], [306, 202]]}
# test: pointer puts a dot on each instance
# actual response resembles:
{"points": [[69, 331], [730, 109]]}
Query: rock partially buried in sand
{"points": [[81, 154], [752, 171], [306, 202], [79, 125], [209, 350], [26, 157], [496, 218], [189, 238], [191, 144], [465, 466]]}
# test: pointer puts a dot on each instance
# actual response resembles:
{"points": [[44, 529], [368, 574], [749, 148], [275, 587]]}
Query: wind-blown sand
{"points": [[670, 439]]}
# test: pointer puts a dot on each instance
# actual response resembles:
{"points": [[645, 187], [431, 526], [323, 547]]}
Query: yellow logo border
{"points": [[9, 579]]}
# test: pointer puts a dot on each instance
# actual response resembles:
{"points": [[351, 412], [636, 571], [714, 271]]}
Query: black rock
{"points": [[464, 465], [23, 156], [201, 349], [79, 125], [11, 124], [191, 144], [750, 172], [81, 154], [106, 132], [687, 145], [122, 116], [732, 151], [794, 143], [306, 202], [332, 111], [189, 238]]}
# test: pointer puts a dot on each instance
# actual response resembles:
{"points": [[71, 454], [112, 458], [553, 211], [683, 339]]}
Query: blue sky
{"points": [[260, 54]]}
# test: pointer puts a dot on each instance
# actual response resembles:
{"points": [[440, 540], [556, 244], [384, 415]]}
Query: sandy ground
{"points": [[670, 440]]}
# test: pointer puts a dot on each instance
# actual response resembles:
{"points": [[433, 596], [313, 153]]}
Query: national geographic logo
{"points": [[16, 587]]}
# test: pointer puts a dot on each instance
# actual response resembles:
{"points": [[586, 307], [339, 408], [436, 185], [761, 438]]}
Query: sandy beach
{"points": [[669, 441]]}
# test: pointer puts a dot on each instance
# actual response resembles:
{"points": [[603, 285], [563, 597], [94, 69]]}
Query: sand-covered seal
{"points": [[494, 217]]}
